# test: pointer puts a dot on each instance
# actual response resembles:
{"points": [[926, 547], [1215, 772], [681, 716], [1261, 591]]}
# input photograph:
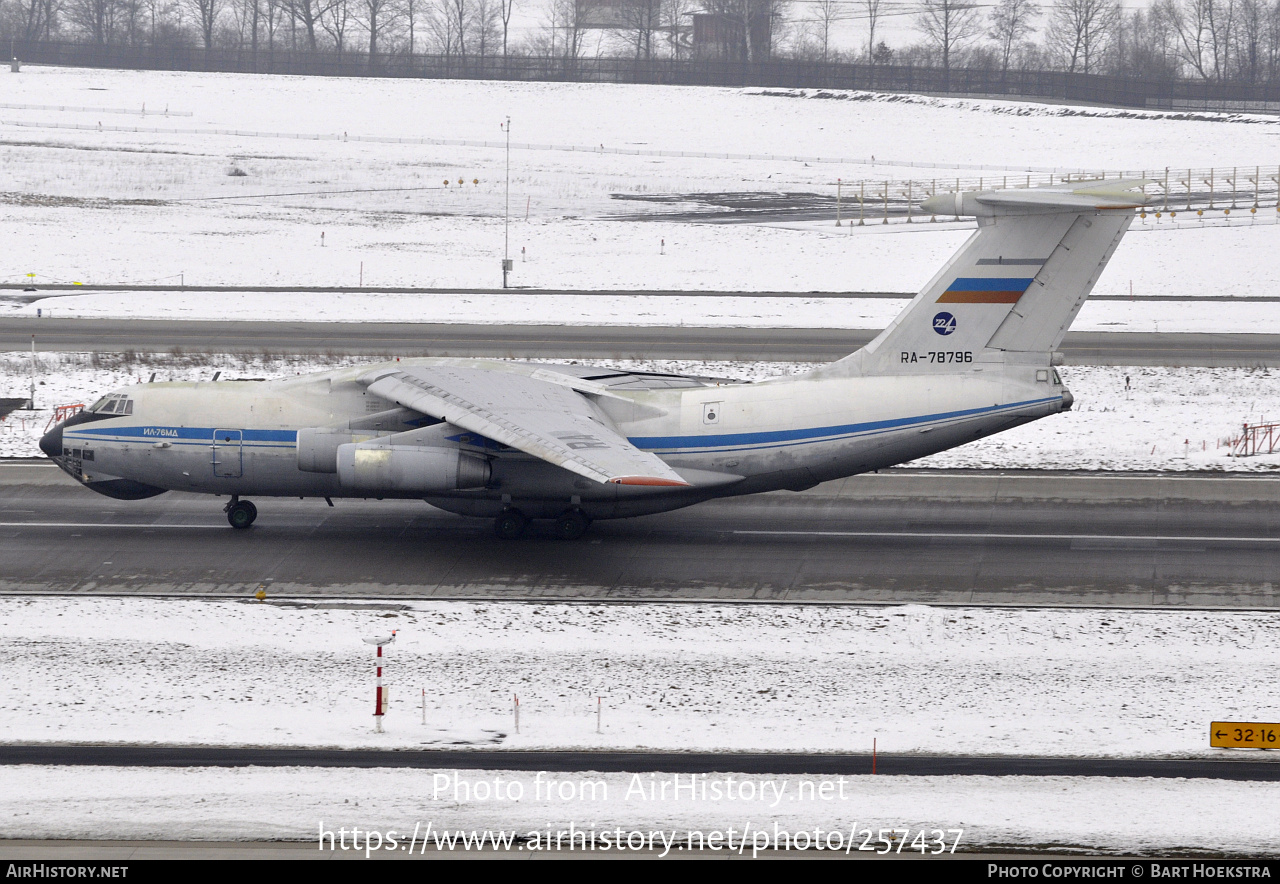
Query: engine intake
{"points": [[404, 468]]}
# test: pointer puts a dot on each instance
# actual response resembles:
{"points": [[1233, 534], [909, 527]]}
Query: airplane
{"points": [[974, 353]]}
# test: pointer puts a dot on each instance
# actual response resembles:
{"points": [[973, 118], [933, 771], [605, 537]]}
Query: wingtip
{"points": [[649, 480]]}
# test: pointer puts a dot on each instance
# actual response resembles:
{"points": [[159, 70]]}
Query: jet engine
{"points": [[405, 468]]}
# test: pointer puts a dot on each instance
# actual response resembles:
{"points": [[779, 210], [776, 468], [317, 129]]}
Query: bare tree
{"points": [[564, 28], [1010, 26], [206, 13], [1204, 29], [336, 17], [641, 18], [94, 18], [485, 25], [460, 13], [38, 19], [376, 16], [948, 25], [507, 7], [825, 14], [411, 20], [752, 22], [674, 13], [872, 8], [309, 14], [440, 24], [1080, 32]]}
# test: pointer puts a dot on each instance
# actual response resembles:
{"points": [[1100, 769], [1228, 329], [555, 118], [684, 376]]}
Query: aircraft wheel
{"points": [[510, 524], [572, 524], [241, 514]]}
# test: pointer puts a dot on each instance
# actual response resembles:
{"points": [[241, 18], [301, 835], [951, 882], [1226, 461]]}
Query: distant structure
{"points": [[723, 36], [718, 34]]}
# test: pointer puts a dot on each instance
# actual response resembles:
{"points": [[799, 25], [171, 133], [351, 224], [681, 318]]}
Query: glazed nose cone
{"points": [[51, 442]]}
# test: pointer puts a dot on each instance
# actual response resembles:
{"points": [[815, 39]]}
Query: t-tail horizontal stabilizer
{"points": [[1016, 284]]}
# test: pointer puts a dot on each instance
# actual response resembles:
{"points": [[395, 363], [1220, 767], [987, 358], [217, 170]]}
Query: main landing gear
{"points": [[240, 513], [570, 525], [510, 524]]}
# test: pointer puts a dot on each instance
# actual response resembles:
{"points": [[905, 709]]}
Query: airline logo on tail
{"points": [[944, 323], [985, 290]]}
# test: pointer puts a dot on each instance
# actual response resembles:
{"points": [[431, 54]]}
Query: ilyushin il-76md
{"points": [[973, 354]]}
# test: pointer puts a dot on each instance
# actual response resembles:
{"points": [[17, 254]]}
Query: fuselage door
{"points": [[228, 457]]}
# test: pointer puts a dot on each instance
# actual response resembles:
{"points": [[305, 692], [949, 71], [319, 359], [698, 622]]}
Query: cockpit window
{"points": [[116, 403]]}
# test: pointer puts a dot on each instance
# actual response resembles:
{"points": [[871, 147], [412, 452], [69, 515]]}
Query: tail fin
{"points": [[1016, 284]]}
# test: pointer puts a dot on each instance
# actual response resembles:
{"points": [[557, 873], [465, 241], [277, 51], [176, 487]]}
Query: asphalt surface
{"points": [[379, 339], [895, 537], [612, 761]]}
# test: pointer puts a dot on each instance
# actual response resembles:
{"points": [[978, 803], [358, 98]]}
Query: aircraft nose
{"points": [[51, 442]]}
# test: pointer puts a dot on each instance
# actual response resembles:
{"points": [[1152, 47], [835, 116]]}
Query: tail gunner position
{"points": [[973, 354]]}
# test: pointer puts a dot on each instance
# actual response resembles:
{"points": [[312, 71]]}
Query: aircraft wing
{"points": [[543, 419]]}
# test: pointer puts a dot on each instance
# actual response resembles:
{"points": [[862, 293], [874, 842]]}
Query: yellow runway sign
{"points": [[1244, 735]]}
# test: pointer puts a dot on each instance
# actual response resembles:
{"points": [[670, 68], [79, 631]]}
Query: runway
{"points": [[984, 538], [379, 339], [624, 761]]}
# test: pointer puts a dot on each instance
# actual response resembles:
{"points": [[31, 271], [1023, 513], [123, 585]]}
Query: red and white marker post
{"points": [[379, 708]]}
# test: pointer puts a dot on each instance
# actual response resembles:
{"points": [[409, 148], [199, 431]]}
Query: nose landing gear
{"points": [[240, 513]]}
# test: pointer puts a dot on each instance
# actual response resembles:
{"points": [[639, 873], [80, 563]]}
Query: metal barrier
{"points": [[1256, 439], [62, 412], [1181, 194]]}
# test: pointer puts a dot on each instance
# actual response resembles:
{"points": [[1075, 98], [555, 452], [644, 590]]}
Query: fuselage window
{"points": [[87, 454]]}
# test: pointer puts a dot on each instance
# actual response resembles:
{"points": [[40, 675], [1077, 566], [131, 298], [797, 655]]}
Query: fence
{"points": [[774, 73], [1252, 192], [1256, 439]]}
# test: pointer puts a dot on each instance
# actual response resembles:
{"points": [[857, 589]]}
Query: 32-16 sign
{"points": [[1244, 735]]}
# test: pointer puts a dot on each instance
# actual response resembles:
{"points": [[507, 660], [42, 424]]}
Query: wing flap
{"points": [[546, 420]]}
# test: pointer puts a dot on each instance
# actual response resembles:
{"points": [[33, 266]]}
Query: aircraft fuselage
{"points": [[277, 438]]}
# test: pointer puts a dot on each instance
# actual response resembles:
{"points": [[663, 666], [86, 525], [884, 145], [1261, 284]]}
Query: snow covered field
{"points": [[1172, 419], [731, 677], [168, 202], [918, 679], [1075, 816]]}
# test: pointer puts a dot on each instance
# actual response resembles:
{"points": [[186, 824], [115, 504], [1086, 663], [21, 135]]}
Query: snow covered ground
{"points": [[167, 202], [1172, 419], [1106, 683], [915, 678], [1075, 816]]}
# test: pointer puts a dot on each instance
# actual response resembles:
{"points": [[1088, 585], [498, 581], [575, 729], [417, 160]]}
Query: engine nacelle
{"points": [[318, 448], [405, 468]]}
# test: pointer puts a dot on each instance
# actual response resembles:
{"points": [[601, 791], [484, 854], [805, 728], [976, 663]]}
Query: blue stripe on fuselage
{"points": [[201, 434], [761, 439], [785, 437]]}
